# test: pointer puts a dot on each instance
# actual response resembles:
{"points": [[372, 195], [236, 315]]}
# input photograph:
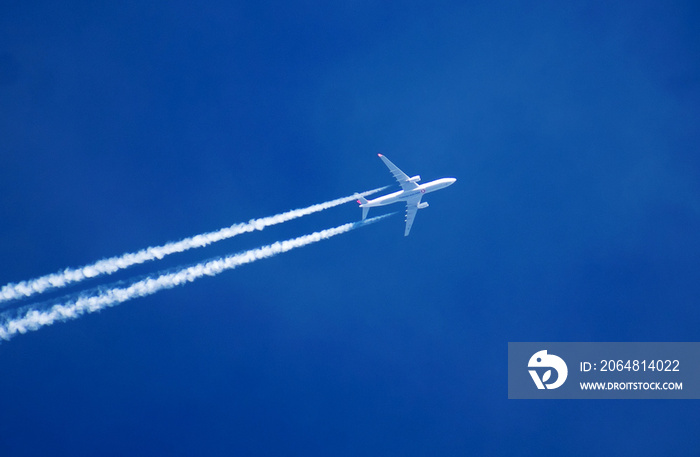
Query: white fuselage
{"points": [[404, 195]]}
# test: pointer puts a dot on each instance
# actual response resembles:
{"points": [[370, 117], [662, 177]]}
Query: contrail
{"points": [[34, 319], [68, 276]]}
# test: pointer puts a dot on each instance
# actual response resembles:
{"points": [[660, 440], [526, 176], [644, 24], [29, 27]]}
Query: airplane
{"points": [[411, 193]]}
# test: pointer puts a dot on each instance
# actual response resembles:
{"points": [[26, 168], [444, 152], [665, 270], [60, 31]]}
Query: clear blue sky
{"points": [[572, 131]]}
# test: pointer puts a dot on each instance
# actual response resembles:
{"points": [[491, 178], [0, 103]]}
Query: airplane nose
{"points": [[452, 180]]}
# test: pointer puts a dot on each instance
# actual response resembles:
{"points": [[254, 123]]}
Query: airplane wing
{"points": [[401, 177], [411, 210]]}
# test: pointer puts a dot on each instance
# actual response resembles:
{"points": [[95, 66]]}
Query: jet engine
{"points": [[422, 205], [416, 178]]}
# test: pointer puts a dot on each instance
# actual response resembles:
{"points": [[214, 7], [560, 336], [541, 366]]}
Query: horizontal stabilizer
{"points": [[365, 209]]}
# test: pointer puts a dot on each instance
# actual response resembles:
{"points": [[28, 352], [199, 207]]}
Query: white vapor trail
{"points": [[34, 319], [111, 265]]}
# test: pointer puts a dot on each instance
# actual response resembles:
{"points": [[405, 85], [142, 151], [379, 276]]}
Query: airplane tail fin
{"points": [[365, 209]]}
